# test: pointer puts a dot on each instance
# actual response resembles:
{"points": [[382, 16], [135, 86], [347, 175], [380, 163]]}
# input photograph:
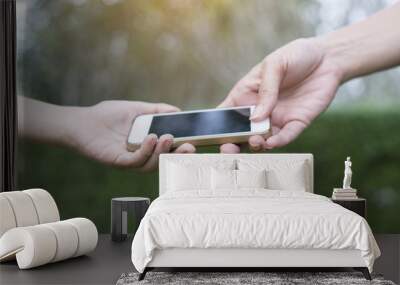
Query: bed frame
{"points": [[244, 259]]}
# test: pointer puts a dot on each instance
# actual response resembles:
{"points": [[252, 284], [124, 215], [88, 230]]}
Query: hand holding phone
{"points": [[200, 127]]}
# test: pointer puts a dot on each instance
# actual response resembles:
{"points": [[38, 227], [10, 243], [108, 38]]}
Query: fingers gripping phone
{"points": [[200, 127]]}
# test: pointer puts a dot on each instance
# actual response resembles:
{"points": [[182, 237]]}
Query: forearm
{"points": [[368, 46], [45, 122]]}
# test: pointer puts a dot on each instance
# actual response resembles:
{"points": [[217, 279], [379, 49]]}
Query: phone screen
{"points": [[202, 123]]}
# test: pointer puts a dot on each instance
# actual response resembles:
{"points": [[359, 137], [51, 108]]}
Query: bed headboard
{"points": [[214, 158]]}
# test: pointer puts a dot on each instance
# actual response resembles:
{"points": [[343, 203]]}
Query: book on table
{"points": [[339, 193], [341, 190]]}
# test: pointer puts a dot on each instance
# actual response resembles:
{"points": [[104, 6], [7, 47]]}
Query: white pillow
{"points": [[183, 176], [291, 178], [288, 179], [223, 179], [251, 178], [281, 174], [226, 179]]}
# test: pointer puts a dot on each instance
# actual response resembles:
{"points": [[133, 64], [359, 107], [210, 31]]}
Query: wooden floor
{"points": [[389, 262], [110, 260]]}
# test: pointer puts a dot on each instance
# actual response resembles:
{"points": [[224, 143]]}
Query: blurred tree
{"points": [[185, 52]]}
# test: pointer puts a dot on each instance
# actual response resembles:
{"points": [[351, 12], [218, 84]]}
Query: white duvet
{"points": [[250, 219]]}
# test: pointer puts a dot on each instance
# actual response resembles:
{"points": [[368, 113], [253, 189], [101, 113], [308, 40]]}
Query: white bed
{"points": [[198, 223]]}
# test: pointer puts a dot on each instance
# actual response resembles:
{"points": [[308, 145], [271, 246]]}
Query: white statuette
{"points": [[347, 174]]}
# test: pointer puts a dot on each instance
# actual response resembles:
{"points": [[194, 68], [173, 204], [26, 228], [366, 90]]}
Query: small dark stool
{"points": [[120, 208]]}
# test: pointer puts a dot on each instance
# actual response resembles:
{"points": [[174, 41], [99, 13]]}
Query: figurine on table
{"points": [[347, 192]]}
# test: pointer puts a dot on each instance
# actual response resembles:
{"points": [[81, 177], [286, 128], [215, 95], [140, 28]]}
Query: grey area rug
{"points": [[232, 278]]}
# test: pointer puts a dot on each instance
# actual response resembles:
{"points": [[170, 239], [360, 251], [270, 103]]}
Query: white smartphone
{"points": [[200, 127]]}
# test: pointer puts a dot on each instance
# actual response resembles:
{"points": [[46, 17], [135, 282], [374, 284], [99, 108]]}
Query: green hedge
{"points": [[84, 188]]}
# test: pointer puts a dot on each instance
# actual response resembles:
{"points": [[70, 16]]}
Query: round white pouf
{"points": [[45, 205]]}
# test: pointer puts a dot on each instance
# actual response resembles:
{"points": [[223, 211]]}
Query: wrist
{"points": [[336, 52], [70, 121], [367, 46]]}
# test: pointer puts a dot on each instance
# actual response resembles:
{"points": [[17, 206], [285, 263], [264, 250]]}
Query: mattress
{"points": [[253, 219]]}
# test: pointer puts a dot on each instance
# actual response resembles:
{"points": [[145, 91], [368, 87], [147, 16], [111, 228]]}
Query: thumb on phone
{"points": [[272, 70]]}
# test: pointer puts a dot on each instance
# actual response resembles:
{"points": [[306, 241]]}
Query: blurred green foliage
{"points": [[84, 188]]}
